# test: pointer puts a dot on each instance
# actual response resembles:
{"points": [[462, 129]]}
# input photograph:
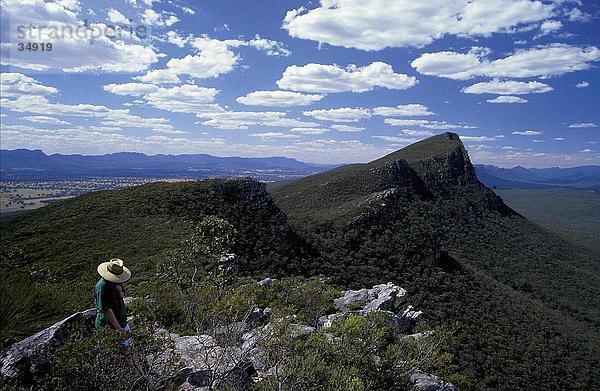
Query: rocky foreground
{"points": [[206, 363]]}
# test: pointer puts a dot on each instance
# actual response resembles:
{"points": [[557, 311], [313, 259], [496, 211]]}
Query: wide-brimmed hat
{"points": [[114, 271]]}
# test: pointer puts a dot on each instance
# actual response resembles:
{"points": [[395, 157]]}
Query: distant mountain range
{"points": [[25, 164], [583, 177], [34, 164]]}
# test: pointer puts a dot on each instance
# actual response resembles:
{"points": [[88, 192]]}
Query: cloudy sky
{"points": [[334, 81]]}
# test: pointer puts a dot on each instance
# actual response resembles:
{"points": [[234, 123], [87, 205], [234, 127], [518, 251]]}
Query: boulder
{"points": [[29, 357], [408, 319], [425, 382], [267, 282], [388, 297], [208, 364], [352, 300]]}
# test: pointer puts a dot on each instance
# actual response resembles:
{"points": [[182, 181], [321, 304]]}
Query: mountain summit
{"points": [[437, 167]]}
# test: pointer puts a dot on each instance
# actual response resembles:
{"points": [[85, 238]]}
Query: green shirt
{"points": [[107, 297]]}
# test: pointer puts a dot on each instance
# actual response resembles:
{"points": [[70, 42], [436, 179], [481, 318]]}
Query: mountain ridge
{"points": [[35, 163]]}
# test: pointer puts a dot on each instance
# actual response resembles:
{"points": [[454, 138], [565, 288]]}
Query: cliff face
{"points": [[437, 168]]}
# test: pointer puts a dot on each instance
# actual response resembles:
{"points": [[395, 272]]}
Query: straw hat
{"points": [[114, 271]]}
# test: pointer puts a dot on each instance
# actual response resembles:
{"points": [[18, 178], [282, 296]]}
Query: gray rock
{"points": [[386, 297], [352, 300], [208, 364], [29, 357], [425, 382], [258, 315], [408, 319], [267, 282]]}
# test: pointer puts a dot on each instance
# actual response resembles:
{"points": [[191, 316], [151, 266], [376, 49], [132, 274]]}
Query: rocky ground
{"points": [[207, 363]]}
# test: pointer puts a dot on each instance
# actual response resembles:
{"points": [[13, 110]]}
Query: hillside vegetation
{"points": [[526, 302]]}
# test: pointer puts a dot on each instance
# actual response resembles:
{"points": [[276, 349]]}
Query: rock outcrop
{"points": [[31, 356], [425, 382], [232, 355]]}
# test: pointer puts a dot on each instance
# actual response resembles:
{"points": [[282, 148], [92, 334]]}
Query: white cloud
{"points": [[176, 39], [584, 125], [558, 139], [15, 84], [188, 98], [549, 26], [577, 15], [404, 23], [410, 110], [73, 51], [342, 114], [274, 135], [188, 10], [309, 131], [587, 150], [245, 119], [549, 60], [347, 128], [332, 78], [278, 98], [582, 84], [213, 59], [114, 16], [153, 18], [507, 99], [270, 47], [421, 133], [509, 87], [436, 125], [110, 117], [42, 119], [527, 133], [398, 139], [131, 89], [478, 139]]}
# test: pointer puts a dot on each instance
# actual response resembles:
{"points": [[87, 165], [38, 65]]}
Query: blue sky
{"points": [[335, 81]]}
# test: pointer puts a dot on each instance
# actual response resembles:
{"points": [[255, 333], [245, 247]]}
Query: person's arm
{"points": [[110, 315]]}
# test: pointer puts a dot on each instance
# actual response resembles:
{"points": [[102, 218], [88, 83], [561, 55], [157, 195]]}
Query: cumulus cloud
{"points": [[437, 125], [549, 60], [245, 119], [528, 133], [347, 128], [343, 114], [15, 84], [549, 26], [309, 131], [274, 135], [114, 16], [410, 110], [507, 99], [583, 125], [188, 98], [72, 52], [278, 98], [213, 58], [43, 119], [153, 18], [582, 84], [509, 87], [332, 78], [131, 89], [405, 23]]}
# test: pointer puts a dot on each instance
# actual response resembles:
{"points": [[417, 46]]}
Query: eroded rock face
{"points": [[29, 357]]}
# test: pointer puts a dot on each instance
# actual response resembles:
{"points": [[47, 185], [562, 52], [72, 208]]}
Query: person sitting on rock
{"points": [[108, 299]]}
